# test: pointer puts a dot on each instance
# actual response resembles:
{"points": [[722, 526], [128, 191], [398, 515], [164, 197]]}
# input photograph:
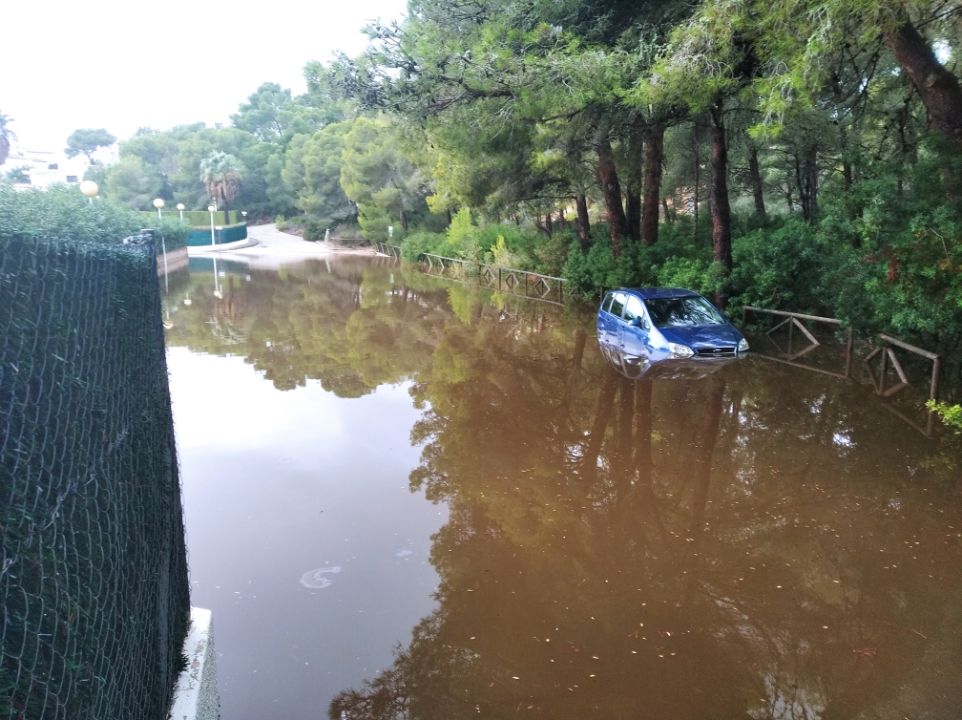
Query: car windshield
{"points": [[691, 310]]}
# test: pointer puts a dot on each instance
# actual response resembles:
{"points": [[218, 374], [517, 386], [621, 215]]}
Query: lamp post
{"points": [[244, 215], [180, 208], [211, 209], [159, 203], [89, 189]]}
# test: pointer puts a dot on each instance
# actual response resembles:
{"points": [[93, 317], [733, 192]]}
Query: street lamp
{"points": [[89, 189], [211, 209], [180, 207], [159, 203], [244, 215]]}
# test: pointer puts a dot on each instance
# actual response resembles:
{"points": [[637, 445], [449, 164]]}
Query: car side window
{"points": [[635, 309], [617, 304], [606, 303]]}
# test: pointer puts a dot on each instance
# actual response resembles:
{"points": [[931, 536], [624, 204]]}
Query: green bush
{"points": [[779, 268], [173, 232], [421, 242], [950, 415], [692, 273], [62, 213], [550, 255], [462, 238], [590, 273], [374, 223]]}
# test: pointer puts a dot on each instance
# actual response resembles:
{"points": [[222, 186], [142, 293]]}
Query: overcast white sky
{"points": [[123, 64]]}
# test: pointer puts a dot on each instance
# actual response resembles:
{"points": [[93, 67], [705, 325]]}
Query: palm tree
{"points": [[220, 173], [6, 134]]}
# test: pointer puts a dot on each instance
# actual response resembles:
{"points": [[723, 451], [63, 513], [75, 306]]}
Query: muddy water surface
{"points": [[406, 498]]}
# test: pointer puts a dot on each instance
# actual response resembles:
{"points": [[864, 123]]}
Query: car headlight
{"points": [[743, 345], [681, 351]]}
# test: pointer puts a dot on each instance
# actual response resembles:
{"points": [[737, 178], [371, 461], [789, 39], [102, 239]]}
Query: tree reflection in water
{"points": [[758, 543]]}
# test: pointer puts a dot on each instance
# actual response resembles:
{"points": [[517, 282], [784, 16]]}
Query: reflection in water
{"points": [[756, 543], [635, 367]]}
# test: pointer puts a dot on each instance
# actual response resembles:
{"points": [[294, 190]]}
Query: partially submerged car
{"points": [[657, 324]]}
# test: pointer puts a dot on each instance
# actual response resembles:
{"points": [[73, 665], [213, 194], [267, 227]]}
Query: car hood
{"points": [[703, 336]]}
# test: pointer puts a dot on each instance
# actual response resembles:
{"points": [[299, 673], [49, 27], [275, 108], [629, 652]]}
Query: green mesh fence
{"points": [[93, 577]]}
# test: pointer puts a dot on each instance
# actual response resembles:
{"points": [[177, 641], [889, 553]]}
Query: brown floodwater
{"points": [[409, 498]]}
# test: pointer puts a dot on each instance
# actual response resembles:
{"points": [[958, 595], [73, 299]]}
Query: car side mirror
{"points": [[637, 322]]}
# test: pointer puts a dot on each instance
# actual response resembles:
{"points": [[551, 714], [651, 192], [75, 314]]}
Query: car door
{"points": [[601, 322], [609, 319], [613, 319], [634, 328]]}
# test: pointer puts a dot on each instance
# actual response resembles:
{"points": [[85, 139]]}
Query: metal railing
{"points": [[878, 370], [794, 321], [522, 283], [393, 251], [886, 354]]}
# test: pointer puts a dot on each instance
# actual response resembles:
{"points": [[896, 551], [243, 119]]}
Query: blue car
{"points": [[657, 324]]}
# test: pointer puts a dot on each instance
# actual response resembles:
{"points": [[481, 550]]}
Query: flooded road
{"points": [[408, 499]]}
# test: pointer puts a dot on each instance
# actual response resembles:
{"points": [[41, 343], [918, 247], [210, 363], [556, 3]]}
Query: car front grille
{"points": [[709, 352]]}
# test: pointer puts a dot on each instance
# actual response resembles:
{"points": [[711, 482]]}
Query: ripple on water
{"points": [[318, 579]]}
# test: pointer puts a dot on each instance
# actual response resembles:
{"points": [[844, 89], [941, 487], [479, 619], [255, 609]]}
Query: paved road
{"points": [[271, 247]]}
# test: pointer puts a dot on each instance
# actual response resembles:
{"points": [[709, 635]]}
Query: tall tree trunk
{"points": [[611, 188], [838, 96], [721, 221], [806, 178], [633, 213], [800, 184], [811, 181], [654, 148], [404, 220], [906, 146], [758, 190], [548, 224], [584, 228], [633, 180], [939, 89], [694, 146], [669, 216]]}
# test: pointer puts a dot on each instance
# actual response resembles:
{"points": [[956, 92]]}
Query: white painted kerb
{"points": [[195, 695], [220, 247]]}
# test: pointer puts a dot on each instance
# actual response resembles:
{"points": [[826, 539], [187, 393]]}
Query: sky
{"points": [[122, 65]]}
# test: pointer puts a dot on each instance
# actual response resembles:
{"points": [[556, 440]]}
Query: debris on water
{"points": [[318, 579]]}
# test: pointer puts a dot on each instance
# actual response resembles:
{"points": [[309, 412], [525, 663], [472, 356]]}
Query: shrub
{"points": [[374, 223], [500, 256], [550, 254], [598, 269], [693, 273], [173, 232], [462, 237], [778, 267], [421, 242], [62, 213], [950, 415]]}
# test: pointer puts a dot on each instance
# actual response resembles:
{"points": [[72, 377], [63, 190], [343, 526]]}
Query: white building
{"points": [[43, 168]]}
